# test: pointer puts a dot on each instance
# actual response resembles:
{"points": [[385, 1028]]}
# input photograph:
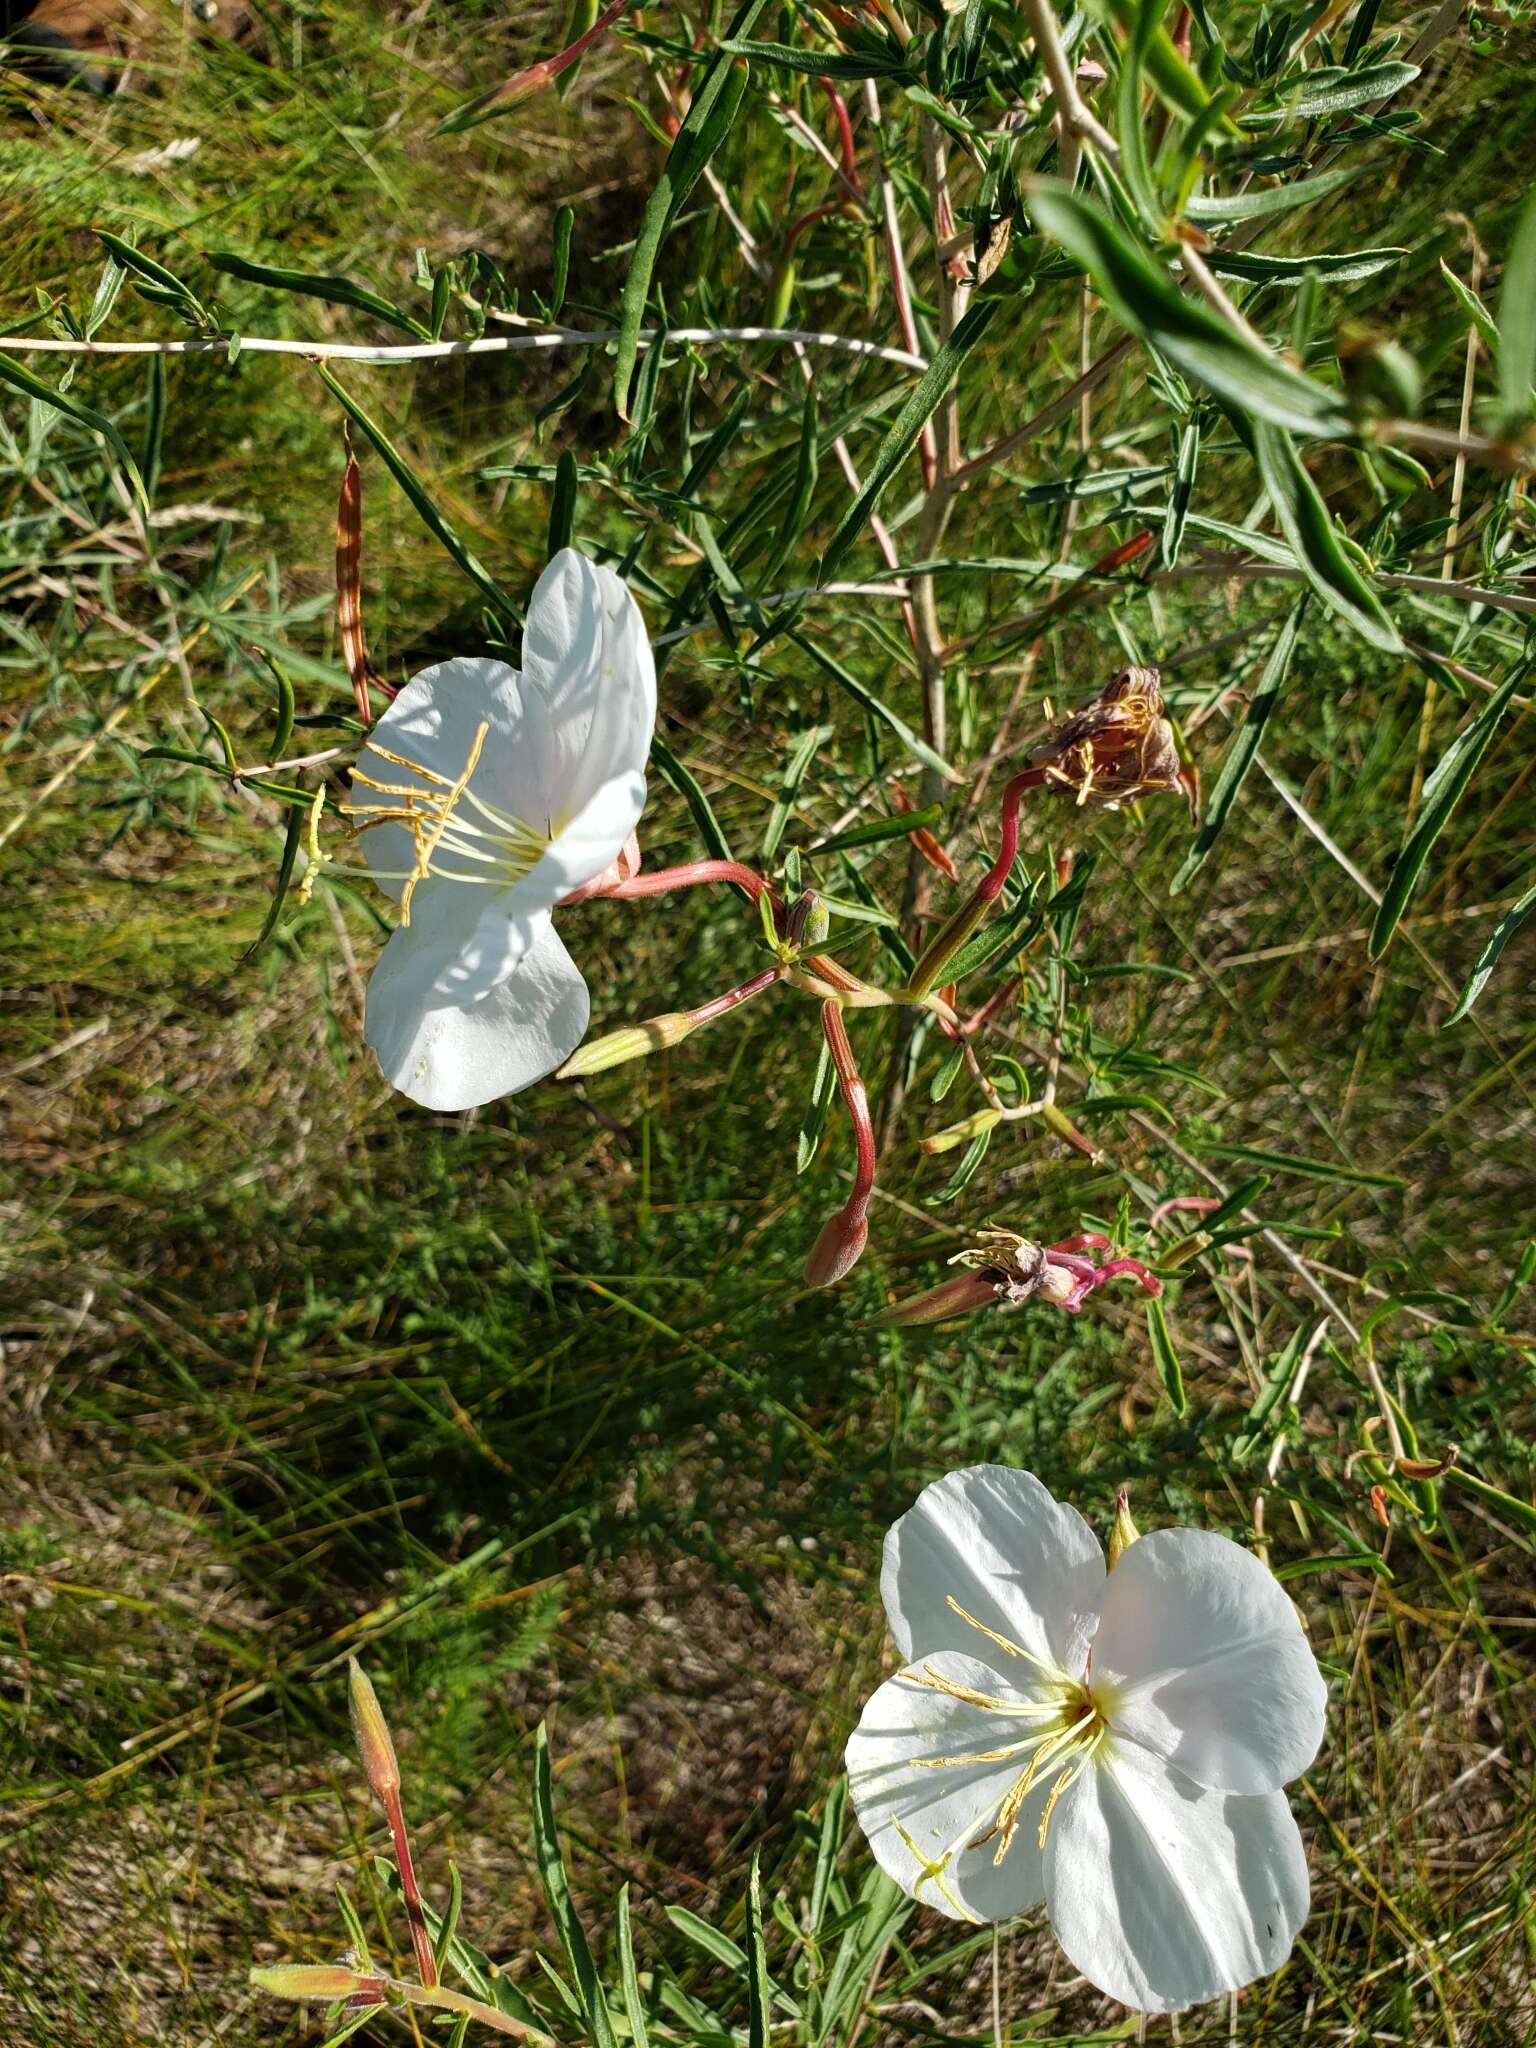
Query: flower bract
{"points": [[1112, 1743]]}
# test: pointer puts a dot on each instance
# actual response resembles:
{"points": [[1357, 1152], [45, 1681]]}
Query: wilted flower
{"points": [[1114, 1743], [1115, 749], [1004, 1270], [486, 797]]}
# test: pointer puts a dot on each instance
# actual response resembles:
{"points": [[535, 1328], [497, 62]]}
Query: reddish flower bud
{"points": [[838, 1247]]}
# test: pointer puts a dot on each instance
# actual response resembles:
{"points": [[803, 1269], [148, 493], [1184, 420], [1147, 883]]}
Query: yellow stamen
{"points": [[434, 816]]}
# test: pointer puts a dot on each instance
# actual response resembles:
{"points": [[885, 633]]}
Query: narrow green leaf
{"points": [[1166, 1356], [1262, 202], [1442, 792], [1309, 527], [794, 774], [867, 63], [909, 423], [629, 1976], [293, 832], [866, 698], [565, 221], [1341, 269], [1508, 925], [442, 1945], [1183, 490], [1334, 91], [562, 503], [798, 503], [12, 372], [682, 780], [1142, 296], [714, 104], [814, 1121], [759, 2014], [282, 730], [1308, 1169], [1517, 321], [1239, 756], [1501, 1502], [827, 1845], [557, 1889], [416, 491], [964, 1173], [1474, 308], [874, 830], [335, 291]]}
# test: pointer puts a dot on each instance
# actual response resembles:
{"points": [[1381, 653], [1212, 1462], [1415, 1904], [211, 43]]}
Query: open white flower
{"points": [[485, 797], [1114, 1743]]}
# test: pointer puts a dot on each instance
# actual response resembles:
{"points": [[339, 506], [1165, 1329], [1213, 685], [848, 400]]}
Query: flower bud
{"points": [[370, 1731], [631, 1043], [961, 1133], [1124, 1531], [839, 1247], [328, 1981], [957, 1297]]}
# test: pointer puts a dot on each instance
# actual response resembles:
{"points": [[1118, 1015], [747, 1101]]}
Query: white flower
{"points": [[1113, 1743], [485, 797]]}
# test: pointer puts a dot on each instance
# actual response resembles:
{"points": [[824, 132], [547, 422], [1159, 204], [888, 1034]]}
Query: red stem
{"points": [[733, 998], [852, 1084], [689, 876], [421, 1942], [549, 68], [844, 132]]}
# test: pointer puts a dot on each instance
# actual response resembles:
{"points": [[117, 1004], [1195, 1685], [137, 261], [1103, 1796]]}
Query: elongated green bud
{"points": [[961, 1133], [632, 1043], [328, 1981], [370, 1731]]}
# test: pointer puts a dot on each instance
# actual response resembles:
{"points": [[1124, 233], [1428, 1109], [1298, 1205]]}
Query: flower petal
{"points": [[1025, 1565], [921, 1822], [432, 722], [457, 1056], [586, 654], [1164, 1895], [1200, 1657]]}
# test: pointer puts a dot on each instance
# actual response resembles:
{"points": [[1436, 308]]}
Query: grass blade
{"points": [[1238, 758], [12, 372], [557, 1889], [711, 111], [1442, 792], [1517, 321], [909, 423], [416, 491]]}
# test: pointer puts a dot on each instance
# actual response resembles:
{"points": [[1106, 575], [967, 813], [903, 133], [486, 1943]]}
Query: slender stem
{"points": [[421, 1941], [1063, 403], [897, 265], [438, 351], [733, 998], [689, 876], [548, 69], [953, 934], [852, 1084], [1070, 105], [444, 2000]]}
